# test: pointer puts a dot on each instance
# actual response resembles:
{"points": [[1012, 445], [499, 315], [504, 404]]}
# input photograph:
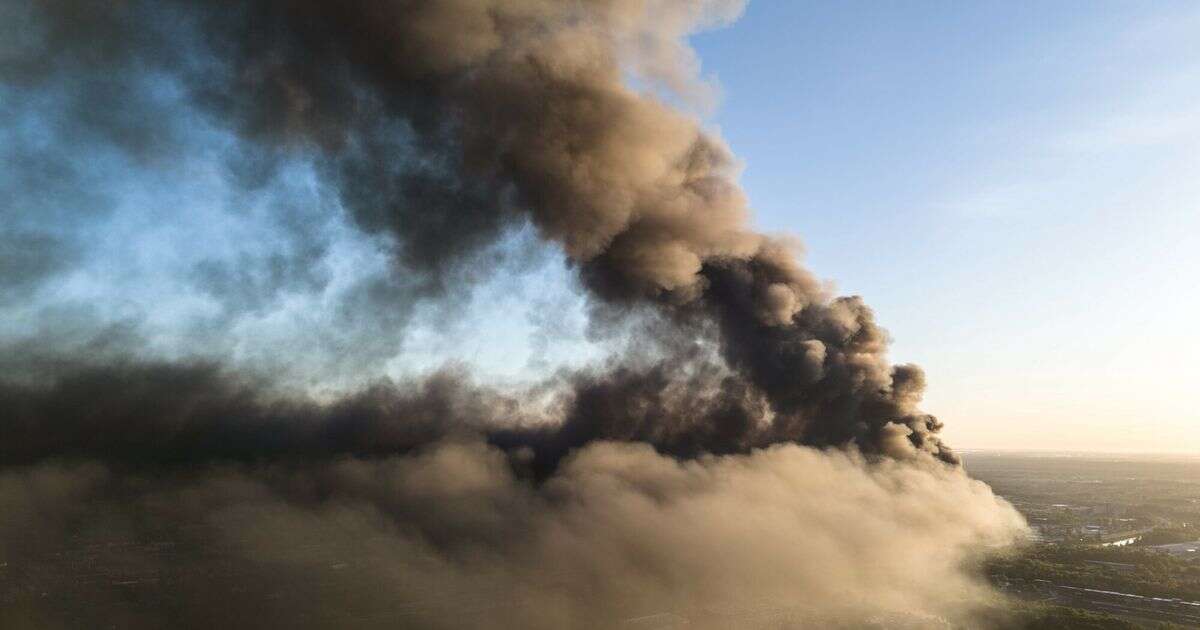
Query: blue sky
{"points": [[1014, 188]]}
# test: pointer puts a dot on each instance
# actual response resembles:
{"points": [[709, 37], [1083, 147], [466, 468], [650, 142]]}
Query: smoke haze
{"points": [[226, 223], [452, 538]]}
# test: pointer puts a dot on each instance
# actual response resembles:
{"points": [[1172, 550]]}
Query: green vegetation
{"points": [[1047, 617], [1077, 503], [1170, 535], [1024, 615], [1142, 572]]}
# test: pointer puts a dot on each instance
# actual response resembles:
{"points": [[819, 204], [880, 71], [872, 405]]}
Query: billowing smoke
{"points": [[369, 159], [452, 538]]}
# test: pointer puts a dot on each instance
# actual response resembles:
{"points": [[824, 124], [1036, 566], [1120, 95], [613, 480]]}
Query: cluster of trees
{"points": [[1170, 535], [1026, 615], [1151, 574], [1045, 617]]}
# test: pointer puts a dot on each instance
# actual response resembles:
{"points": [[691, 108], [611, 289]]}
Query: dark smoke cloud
{"points": [[152, 495], [317, 173], [139, 414], [441, 122]]}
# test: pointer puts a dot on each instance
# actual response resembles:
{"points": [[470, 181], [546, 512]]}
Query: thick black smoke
{"points": [[443, 122], [170, 414], [671, 476]]}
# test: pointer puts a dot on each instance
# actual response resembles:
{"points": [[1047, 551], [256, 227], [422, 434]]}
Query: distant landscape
{"points": [[1116, 538]]}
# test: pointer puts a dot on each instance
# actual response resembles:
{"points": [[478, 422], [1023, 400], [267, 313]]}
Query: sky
{"points": [[1013, 188]]}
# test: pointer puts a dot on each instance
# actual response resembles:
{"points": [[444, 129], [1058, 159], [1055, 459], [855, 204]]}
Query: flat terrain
{"points": [[1113, 534]]}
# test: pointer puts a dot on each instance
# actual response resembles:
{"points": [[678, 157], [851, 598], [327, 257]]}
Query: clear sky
{"points": [[1015, 188]]}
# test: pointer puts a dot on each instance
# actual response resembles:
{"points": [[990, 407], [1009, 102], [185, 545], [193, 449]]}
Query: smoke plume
{"points": [[223, 220]]}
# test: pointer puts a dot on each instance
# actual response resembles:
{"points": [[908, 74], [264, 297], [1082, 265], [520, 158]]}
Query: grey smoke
{"points": [[442, 123], [321, 172], [451, 538]]}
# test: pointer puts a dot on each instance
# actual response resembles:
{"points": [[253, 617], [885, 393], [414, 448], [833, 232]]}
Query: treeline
{"points": [[1025, 615], [1151, 574], [1170, 535]]}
